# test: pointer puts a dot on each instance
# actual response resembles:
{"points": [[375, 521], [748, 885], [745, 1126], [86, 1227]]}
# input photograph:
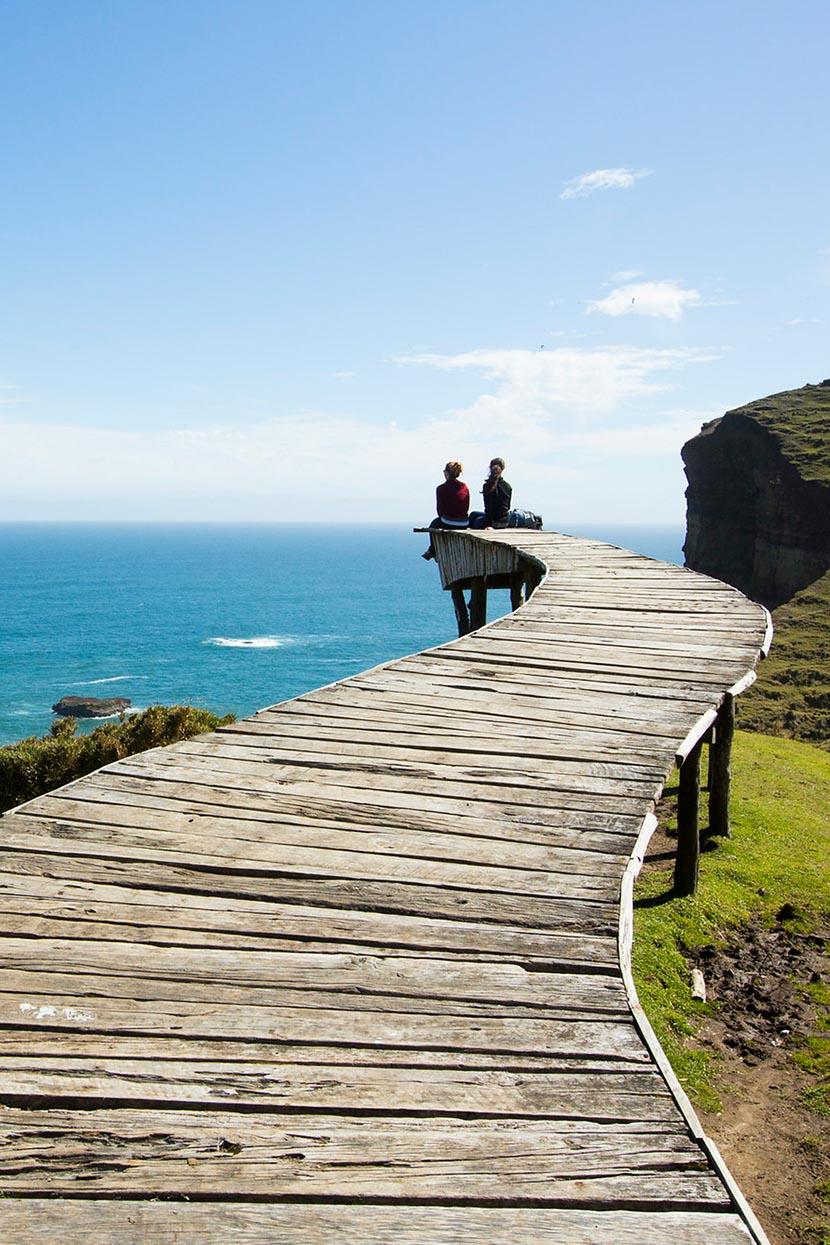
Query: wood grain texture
{"points": [[42, 1222], [348, 970]]}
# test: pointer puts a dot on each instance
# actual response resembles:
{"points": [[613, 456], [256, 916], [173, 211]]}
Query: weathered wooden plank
{"points": [[145, 1049], [196, 795], [577, 740], [273, 972], [388, 1162], [365, 708], [38, 989], [608, 1097], [668, 638], [276, 926], [407, 788], [341, 734], [600, 1039], [532, 769], [143, 871], [237, 834], [363, 698], [485, 777], [35, 832], [594, 812], [594, 659], [576, 688], [42, 1221], [686, 662]]}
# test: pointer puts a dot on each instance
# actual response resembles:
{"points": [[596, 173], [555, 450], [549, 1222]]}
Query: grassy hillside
{"points": [[799, 420], [792, 695]]}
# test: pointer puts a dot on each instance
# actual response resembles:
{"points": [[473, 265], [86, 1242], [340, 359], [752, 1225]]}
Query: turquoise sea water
{"points": [[228, 617]]}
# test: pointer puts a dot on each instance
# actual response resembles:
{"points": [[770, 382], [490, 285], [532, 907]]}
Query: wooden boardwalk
{"points": [[355, 969]]}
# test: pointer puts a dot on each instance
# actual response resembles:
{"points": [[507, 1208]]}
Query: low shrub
{"points": [[32, 766]]}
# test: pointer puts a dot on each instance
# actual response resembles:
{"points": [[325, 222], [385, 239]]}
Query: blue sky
{"points": [[281, 261]]}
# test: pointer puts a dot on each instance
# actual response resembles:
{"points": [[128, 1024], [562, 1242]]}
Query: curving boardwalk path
{"points": [[355, 969]]}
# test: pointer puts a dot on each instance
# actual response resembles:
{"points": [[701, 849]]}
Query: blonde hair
{"points": [[454, 469]]}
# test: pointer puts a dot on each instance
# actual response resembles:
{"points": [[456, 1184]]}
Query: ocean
{"points": [[229, 617]]}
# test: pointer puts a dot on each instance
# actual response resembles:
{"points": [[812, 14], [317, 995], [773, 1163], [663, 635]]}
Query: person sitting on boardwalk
{"points": [[497, 495], [452, 501]]}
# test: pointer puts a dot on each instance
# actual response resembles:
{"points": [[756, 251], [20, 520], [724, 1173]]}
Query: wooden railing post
{"points": [[720, 769], [517, 581], [533, 577], [478, 602], [688, 824], [462, 616]]}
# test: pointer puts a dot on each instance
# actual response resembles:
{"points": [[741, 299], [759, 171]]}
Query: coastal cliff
{"points": [[758, 516], [758, 501]]}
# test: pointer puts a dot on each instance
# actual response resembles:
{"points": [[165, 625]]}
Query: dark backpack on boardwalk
{"points": [[524, 518]]}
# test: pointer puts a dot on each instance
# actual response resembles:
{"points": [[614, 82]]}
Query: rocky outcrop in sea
{"points": [[90, 706]]}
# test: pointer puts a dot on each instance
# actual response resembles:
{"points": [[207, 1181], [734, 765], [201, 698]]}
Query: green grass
{"points": [[792, 694], [778, 854], [814, 1056], [799, 420]]}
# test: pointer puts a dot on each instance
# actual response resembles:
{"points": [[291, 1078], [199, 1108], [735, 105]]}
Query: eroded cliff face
{"points": [[758, 501]]}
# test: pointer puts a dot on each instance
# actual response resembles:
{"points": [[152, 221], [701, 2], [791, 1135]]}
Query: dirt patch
{"points": [[757, 983], [777, 1148]]}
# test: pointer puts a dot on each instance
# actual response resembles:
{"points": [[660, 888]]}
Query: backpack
{"points": [[524, 518]]}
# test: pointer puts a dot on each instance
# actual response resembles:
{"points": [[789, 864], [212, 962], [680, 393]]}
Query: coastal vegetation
{"points": [[38, 764], [792, 694], [798, 421]]}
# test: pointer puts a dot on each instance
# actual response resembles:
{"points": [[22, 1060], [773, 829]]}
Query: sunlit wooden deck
{"points": [[356, 969]]}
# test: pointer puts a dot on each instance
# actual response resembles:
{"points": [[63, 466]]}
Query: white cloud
{"points": [[602, 179], [666, 299], [548, 384], [626, 274], [558, 416]]}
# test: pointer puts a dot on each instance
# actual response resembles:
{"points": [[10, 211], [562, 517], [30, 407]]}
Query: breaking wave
{"points": [[115, 678], [256, 641]]}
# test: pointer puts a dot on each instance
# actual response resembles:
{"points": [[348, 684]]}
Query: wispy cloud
{"points": [[626, 274], [602, 179], [547, 384], [665, 299], [557, 415]]}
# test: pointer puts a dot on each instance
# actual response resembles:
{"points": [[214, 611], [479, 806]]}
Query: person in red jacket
{"points": [[452, 501]]}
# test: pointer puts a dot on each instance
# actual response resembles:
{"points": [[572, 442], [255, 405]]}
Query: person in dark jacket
{"points": [[497, 495]]}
